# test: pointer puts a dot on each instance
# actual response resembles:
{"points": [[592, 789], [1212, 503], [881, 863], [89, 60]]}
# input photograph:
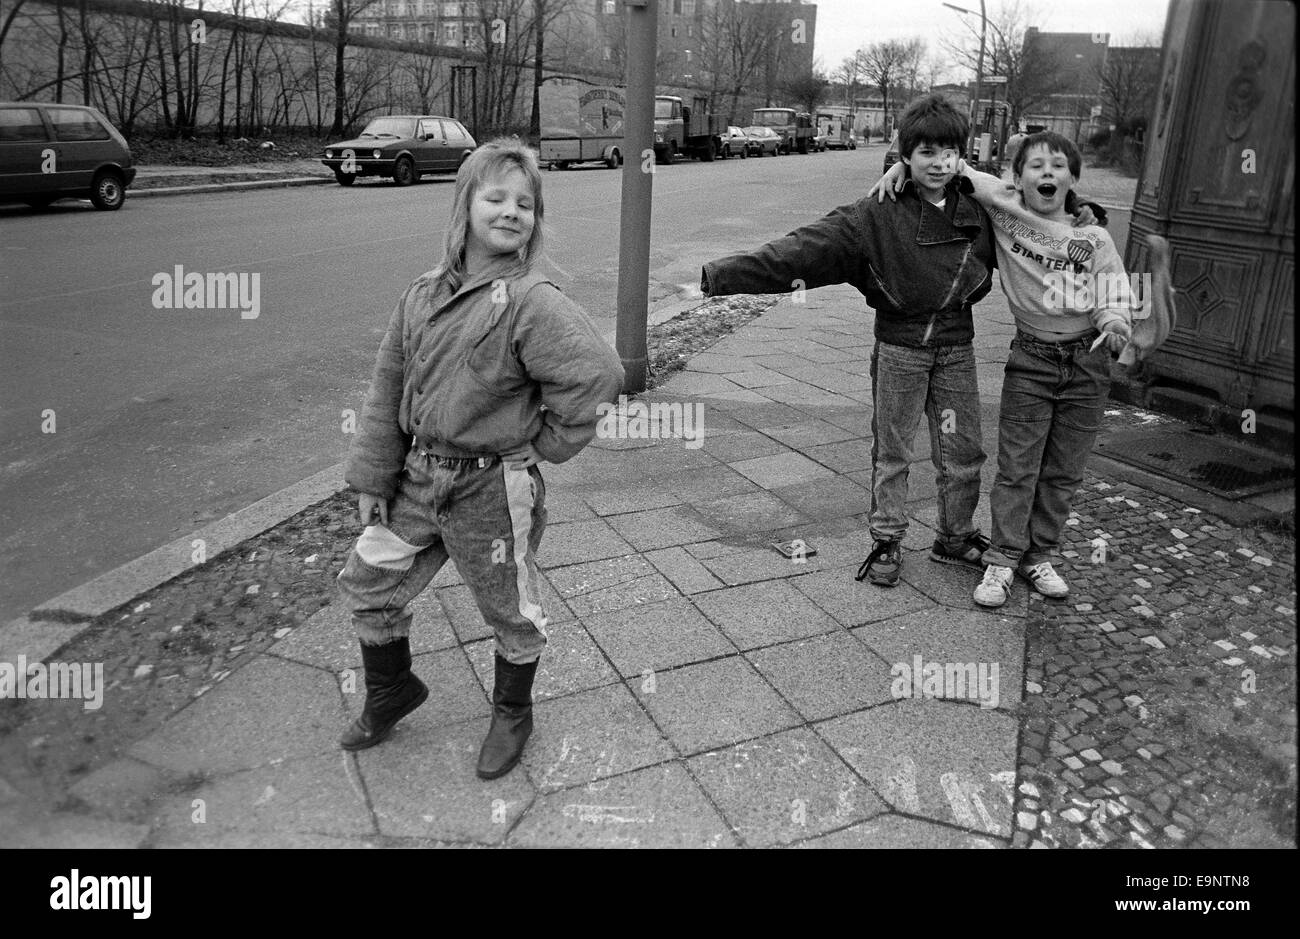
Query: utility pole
{"points": [[638, 190], [979, 74]]}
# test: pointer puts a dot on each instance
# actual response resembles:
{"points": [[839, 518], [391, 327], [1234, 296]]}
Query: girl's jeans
{"points": [[1052, 399], [938, 382], [486, 518]]}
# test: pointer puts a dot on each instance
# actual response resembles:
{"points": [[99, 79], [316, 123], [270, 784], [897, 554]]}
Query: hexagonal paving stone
{"points": [[780, 788], [657, 807], [455, 694], [950, 762], [826, 675], [426, 788], [895, 831], [272, 709], [714, 704], [313, 796], [966, 646], [586, 737]]}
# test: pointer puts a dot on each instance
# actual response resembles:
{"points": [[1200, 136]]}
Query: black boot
{"points": [[392, 692], [512, 719]]}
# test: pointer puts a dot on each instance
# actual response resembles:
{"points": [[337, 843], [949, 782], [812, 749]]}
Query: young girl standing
{"points": [[486, 369]]}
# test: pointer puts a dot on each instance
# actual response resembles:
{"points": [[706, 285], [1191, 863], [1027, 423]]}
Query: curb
{"points": [[227, 187], [57, 622]]}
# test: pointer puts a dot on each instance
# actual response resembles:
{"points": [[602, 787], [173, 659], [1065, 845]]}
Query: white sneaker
{"points": [[995, 587], [1045, 580]]}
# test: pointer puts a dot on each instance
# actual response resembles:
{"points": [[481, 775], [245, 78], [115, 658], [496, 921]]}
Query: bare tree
{"points": [[887, 64], [341, 14], [7, 23], [546, 13], [807, 91], [428, 79], [1128, 77], [1033, 73], [849, 73], [736, 41]]}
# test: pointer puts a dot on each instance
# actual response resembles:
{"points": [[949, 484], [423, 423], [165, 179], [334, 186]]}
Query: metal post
{"points": [[638, 179], [993, 123]]}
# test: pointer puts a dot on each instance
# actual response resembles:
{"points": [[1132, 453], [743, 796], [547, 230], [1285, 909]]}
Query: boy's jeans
{"points": [[486, 518], [1052, 399], [939, 382]]}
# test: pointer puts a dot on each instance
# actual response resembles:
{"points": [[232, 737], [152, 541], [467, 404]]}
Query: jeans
{"points": [[1052, 400], [939, 382], [486, 518]]}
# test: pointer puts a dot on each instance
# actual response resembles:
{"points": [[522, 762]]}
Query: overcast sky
{"points": [[845, 25]]}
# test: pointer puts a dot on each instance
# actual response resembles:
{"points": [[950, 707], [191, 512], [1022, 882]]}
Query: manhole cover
{"points": [[1208, 463]]}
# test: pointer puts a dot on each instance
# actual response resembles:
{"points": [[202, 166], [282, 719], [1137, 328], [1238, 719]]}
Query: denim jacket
{"points": [[920, 270]]}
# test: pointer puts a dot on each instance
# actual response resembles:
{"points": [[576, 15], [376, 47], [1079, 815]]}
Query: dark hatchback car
{"points": [[401, 147], [61, 151]]}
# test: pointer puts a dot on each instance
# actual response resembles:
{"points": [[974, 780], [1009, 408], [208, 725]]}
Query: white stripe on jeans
{"points": [[519, 499]]}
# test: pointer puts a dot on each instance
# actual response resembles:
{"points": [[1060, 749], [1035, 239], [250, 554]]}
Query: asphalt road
{"points": [[166, 419]]}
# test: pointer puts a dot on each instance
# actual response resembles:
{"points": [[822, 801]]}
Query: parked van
{"points": [[60, 151]]}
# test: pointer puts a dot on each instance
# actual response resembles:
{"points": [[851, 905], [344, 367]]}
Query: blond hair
{"points": [[487, 162]]}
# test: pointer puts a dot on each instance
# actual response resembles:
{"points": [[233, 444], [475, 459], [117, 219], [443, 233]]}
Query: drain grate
{"points": [[1210, 463]]}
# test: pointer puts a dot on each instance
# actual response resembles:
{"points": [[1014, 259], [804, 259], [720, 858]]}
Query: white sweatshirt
{"points": [[1060, 280]]}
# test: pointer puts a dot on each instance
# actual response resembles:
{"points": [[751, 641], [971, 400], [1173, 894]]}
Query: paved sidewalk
{"points": [[700, 689]]}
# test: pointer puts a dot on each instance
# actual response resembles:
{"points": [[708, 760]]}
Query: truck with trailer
{"points": [[836, 122], [687, 129], [795, 128], [580, 123]]}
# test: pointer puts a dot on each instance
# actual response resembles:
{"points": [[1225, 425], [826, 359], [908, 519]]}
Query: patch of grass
{"points": [[207, 151], [670, 345]]}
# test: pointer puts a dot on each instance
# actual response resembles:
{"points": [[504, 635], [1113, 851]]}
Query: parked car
{"points": [[61, 151], [735, 142], [763, 140], [401, 147], [891, 155]]}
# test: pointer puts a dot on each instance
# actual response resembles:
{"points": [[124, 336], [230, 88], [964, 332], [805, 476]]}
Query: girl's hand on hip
{"points": [[368, 505], [523, 458]]}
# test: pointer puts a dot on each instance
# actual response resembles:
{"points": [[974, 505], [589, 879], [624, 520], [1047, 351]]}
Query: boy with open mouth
{"points": [[1058, 374]]}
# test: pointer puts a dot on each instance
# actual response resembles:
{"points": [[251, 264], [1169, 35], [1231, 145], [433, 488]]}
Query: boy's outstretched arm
{"points": [[829, 251]]}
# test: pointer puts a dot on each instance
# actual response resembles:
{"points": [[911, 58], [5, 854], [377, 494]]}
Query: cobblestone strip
{"points": [[1160, 704]]}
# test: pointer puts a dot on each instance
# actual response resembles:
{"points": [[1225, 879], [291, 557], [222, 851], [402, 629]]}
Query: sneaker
{"points": [[994, 589], [1045, 580], [968, 555], [884, 564]]}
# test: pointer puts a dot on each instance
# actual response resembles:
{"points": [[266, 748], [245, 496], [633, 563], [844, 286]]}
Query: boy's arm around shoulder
{"points": [[828, 251], [577, 370], [378, 452], [990, 191]]}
